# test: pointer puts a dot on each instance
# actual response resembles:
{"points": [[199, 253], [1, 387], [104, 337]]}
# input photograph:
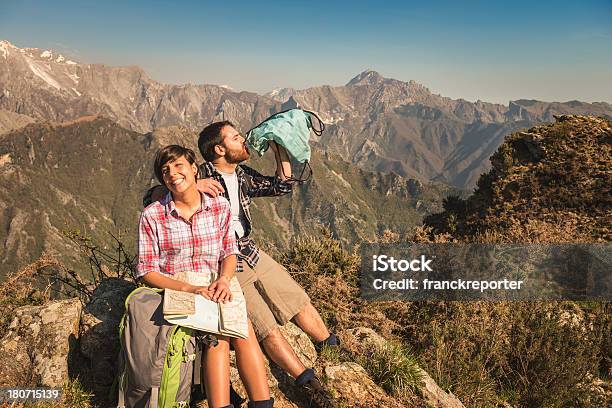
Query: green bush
{"points": [[394, 368], [554, 347]]}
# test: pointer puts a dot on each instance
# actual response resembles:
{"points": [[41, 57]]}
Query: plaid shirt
{"points": [[167, 243], [251, 184]]}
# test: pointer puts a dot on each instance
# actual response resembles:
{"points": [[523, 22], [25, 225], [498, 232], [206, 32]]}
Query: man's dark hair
{"points": [[210, 136], [169, 154]]}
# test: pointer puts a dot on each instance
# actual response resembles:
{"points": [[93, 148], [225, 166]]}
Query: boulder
{"points": [[99, 333], [435, 396], [354, 388], [39, 344], [363, 337], [300, 343]]}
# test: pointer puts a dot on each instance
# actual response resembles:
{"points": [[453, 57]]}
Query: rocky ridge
{"points": [[11, 121], [44, 85], [548, 183], [394, 126]]}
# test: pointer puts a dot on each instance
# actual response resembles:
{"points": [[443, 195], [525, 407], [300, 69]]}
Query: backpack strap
{"points": [[197, 364], [154, 397], [121, 398], [202, 340]]}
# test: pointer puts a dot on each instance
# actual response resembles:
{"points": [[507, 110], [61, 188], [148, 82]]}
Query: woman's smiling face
{"points": [[179, 175]]}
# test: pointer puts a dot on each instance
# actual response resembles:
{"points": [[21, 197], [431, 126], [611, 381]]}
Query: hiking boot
{"points": [[269, 403], [331, 341], [318, 397], [235, 398]]}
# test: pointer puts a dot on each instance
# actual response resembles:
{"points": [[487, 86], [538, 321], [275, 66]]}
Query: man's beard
{"points": [[237, 157]]}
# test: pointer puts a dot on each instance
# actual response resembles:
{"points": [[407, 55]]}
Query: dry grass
{"points": [[330, 275]]}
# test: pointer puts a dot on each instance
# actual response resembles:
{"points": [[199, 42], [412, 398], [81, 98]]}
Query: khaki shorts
{"points": [[272, 296]]}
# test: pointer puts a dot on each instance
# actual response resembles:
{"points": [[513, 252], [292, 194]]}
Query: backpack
{"points": [[156, 360], [290, 129]]}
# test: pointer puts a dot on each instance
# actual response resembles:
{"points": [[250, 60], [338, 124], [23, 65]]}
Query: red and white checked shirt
{"points": [[168, 244]]}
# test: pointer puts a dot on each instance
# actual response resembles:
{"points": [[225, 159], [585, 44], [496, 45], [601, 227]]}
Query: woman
{"points": [[190, 231]]}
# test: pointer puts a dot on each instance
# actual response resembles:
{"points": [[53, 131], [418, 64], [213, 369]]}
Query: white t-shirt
{"points": [[231, 183]]}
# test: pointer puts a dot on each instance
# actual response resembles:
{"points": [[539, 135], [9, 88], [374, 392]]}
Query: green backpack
{"points": [[156, 361]]}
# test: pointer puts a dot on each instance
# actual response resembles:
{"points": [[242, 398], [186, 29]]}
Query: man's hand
{"points": [[210, 186], [283, 164], [273, 145], [220, 290]]}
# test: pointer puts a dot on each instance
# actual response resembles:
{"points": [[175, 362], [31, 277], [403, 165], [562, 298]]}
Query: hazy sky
{"points": [[546, 50]]}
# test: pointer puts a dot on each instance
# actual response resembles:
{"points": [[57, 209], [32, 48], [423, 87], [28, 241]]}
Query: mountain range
{"points": [[377, 123], [77, 142]]}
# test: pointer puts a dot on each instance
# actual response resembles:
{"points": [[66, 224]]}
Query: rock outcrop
{"points": [[99, 333], [354, 386], [40, 344], [11, 121], [550, 183]]}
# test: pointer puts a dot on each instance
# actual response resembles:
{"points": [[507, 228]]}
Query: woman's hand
{"points": [[220, 290], [198, 290]]}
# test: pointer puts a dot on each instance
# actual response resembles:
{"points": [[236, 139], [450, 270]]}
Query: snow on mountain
{"points": [[43, 74], [280, 94], [5, 46], [36, 53]]}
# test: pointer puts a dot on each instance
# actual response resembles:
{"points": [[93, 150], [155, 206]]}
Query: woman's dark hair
{"points": [[169, 154], [210, 136]]}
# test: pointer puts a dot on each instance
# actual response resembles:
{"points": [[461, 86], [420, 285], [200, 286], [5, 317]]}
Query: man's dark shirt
{"points": [[251, 184]]}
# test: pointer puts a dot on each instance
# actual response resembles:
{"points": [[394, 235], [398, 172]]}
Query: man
{"points": [[272, 296]]}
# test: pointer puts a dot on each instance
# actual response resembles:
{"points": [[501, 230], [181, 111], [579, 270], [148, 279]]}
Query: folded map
{"points": [[195, 311]]}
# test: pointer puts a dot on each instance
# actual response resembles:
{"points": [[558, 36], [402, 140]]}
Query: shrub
{"points": [[394, 368], [553, 348], [460, 344], [26, 287], [525, 353]]}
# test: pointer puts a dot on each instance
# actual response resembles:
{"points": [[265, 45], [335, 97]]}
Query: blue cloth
{"points": [[290, 129]]}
